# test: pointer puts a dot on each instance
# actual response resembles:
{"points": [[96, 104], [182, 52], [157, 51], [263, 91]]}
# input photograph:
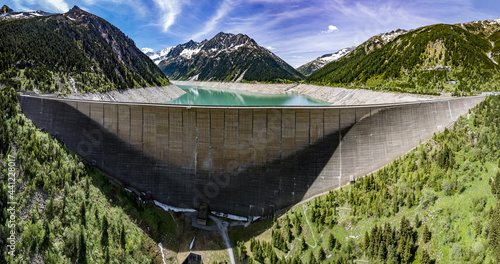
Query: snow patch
{"points": [[172, 208], [188, 53]]}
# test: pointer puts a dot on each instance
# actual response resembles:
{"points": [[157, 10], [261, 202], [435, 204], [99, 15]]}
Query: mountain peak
{"points": [[225, 57], [75, 9], [5, 9]]}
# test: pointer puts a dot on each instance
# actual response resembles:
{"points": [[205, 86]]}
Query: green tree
{"points": [[426, 234], [425, 258], [332, 241], [83, 214], [104, 237], [321, 254], [82, 253]]}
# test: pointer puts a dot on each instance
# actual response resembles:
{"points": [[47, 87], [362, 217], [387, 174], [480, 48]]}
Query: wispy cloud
{"points": [[269, 48], [169, 9], [146, 50], [59, 5], [225, 7], [18, 6], [331, 28]]}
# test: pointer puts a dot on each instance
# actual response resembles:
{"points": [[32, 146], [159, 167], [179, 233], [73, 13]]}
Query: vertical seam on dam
{"points": [[449, 108], [340, 147]]}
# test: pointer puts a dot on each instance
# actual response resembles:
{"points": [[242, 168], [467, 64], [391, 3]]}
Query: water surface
{"points": [[198, 95]]}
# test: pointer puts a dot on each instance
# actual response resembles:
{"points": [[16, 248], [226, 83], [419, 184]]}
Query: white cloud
{"points": [[169, 9], [59, 5], [297, 57], [331, 28], [146, 50], [269, 48], [222, 11]]}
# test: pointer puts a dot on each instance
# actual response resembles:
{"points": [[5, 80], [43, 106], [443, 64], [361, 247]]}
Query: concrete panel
{"points": [[316, 126], [288, 132], [175, 136], [331, 117], [273, 134], [189, 138], [245, 136], [347, 117], [136, 127], [124, 122], [302, 129], [217, 138], [111, 117], [162, 132], [259, 154], [96, 112], [149, 130], [231, 135], [203, 160], [84, 107]]}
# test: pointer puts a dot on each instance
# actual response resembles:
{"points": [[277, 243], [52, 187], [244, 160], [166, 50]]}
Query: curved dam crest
{"points": [[248, 161]]}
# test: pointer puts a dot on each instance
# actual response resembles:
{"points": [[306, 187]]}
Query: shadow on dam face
{"points": [[243, 161]]}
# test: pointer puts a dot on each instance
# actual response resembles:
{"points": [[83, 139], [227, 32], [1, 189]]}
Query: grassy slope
{"points": [[453, 202]]}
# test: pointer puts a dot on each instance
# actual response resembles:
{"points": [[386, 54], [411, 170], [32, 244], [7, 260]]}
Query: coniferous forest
{"points": [[425, 60], [61, 53]]}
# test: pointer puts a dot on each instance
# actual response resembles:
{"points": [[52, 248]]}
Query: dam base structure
{"points": [[248, 161]]}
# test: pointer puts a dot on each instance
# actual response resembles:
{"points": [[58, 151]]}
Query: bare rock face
{"points": [[225, 57], [5, 9]]}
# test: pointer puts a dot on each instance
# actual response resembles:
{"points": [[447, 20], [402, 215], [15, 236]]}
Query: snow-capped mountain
{"points": [[225, 57], [312, 66], [7, 13]]}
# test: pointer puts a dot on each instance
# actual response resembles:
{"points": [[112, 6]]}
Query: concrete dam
{"points": [[248, 161]]}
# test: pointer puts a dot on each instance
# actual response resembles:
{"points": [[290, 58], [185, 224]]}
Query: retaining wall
{"points": [[241, 160]]}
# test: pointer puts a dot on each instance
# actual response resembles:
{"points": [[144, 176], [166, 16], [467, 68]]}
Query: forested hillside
{"points": [[426, 60], [75, 51], [438, 203]]}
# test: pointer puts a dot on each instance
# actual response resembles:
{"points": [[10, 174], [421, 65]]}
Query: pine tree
{"points": [[417, 221], [321, 254], [426, 234], [312, 258], [104, 238], [82, 214], [302, 244], [123, 240], [82, 253], [332, 241], [425, 258]]}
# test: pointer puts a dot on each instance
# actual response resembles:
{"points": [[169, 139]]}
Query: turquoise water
{"points": [[198, 95]]}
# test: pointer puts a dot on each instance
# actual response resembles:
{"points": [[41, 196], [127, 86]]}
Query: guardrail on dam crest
{"points": [[241, 160]]}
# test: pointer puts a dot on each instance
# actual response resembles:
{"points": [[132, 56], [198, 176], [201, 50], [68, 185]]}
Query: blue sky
{"points": [[297, 31]]}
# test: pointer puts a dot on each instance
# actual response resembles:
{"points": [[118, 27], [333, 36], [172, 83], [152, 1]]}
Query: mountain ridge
{"points": [[72, 52], [225, 57], [318, 63], [460, 59]]}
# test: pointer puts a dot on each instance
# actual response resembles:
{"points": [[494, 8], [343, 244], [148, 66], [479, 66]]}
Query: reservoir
{"points": [[198, 95]]}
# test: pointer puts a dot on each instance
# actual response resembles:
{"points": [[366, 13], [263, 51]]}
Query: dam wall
{"points": [[246, 161]]}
